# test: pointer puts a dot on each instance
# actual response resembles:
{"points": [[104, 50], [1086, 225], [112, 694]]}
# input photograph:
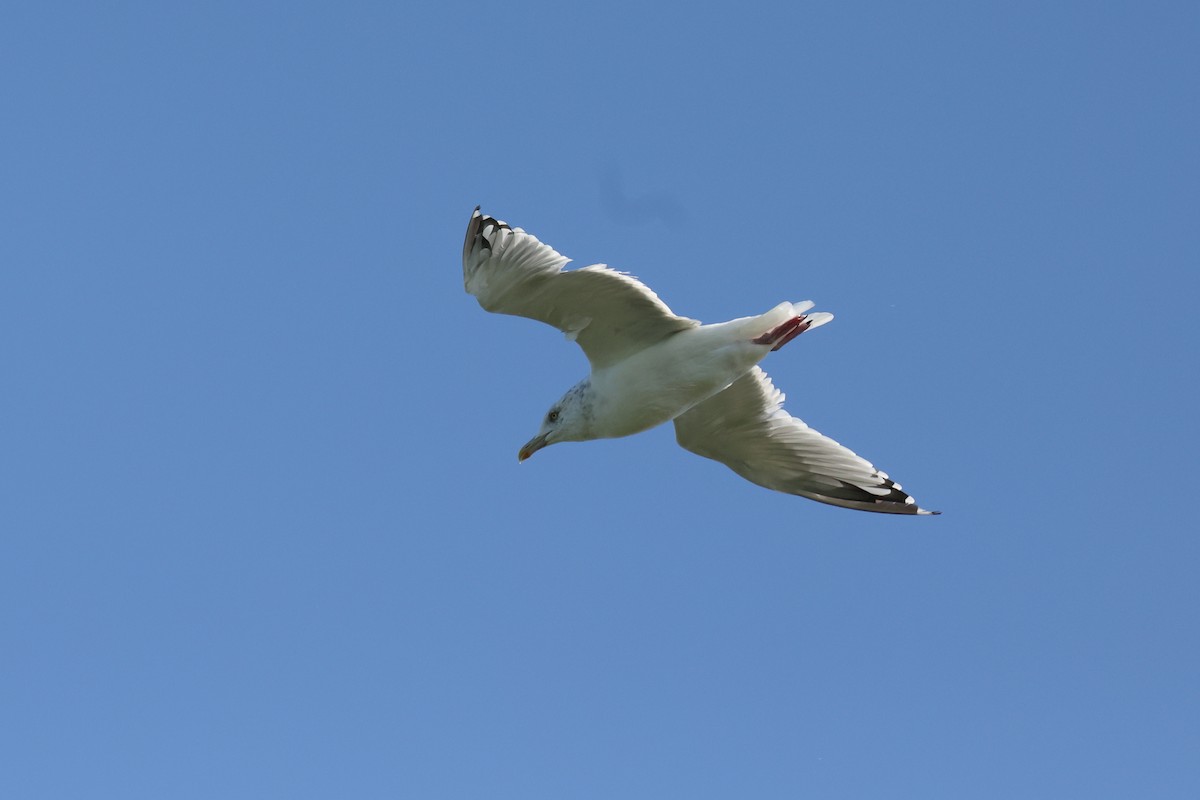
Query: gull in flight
{"points": [[650, 366]]}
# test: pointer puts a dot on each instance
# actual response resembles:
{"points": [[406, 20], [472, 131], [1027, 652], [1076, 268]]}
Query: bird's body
{"points": [[670, 377], [650, 366]]}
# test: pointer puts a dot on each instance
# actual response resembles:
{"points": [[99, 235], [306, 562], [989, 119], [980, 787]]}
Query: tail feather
{"points": [[799, 308], [819, 318], [787, 321]]}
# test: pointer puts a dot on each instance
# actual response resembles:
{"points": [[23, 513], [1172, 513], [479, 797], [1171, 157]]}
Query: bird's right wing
{"points": [[746, 429], [610, 315]]}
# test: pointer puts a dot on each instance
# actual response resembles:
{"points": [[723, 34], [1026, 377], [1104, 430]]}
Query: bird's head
{"points": [[568, 420]]}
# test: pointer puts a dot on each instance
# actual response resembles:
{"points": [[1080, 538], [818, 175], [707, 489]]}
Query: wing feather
{"points": [[746, 428], [609, 314]]}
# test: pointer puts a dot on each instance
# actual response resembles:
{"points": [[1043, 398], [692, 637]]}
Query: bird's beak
{"points": [[532, 446]]}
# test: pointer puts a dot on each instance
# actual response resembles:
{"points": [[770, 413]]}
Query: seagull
{"points": [[650, 366]]}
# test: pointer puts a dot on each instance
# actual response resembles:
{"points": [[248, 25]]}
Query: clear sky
{"points": [[263, 529]]}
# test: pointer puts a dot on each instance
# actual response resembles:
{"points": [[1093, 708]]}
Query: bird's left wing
{"points": [[746, 429], [609, 314]]}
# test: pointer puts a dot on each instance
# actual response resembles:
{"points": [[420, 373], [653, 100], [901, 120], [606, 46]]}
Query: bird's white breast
{"points": [[663, 381]]}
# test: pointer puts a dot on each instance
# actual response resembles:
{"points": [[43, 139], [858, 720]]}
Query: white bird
{"points": [[650, 366]]}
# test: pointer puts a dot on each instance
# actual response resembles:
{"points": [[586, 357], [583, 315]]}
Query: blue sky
{"points": [[264, 533]]}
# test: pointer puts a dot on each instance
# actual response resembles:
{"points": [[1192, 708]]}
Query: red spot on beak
{"points": [[531, 447]]}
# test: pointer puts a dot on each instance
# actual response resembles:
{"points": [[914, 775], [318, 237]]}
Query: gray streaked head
{"points": [[568, 420]]}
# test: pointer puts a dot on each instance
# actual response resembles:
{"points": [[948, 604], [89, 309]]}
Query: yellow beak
{"points": [[532, 446]]}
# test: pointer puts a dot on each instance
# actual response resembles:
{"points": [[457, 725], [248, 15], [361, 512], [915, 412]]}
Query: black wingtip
{"points": [[473, 226], [475, 232]]}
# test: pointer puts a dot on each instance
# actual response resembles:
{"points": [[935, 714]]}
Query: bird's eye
{"points": [[553, 416]]}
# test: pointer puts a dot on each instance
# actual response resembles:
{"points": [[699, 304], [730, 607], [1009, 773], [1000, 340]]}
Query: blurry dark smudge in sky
{"points": [[637, 208]]}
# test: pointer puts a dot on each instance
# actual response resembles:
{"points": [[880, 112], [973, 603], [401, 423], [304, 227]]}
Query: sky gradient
{"points": [[264, 532]]}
